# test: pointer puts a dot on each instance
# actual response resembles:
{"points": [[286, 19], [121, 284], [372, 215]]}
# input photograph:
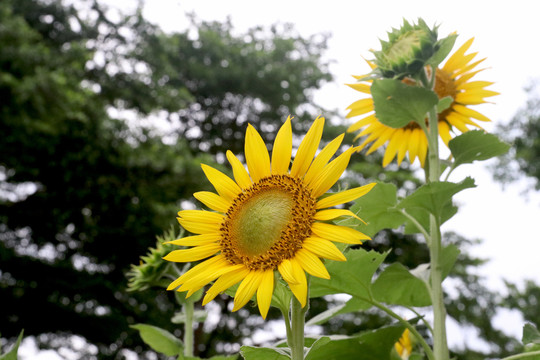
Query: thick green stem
{"points": [[523, 355], [440, 345], [188, 330], [296, 342]]}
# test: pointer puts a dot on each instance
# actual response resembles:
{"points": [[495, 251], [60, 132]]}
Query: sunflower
{"points": [[268, 222], [404, 345], [453, 80]]}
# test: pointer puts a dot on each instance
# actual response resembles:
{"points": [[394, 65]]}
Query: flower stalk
{"points": [[296, 342]]}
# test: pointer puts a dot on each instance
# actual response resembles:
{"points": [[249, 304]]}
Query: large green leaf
{"points": [[160, 339], [449, 256], [397, 286], [263, 353], [476, 145], [349, 277], [446, 46], [398, 104], [531, 335], [434, 197], [12, 353], [375, 208]]}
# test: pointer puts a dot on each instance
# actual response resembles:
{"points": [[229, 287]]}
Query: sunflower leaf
{"points": [[159, 339], [263, 353], [12, 354], [397, 104], [531, 335], [444, 103], [397, 286], [434, 197], [476, 145], [350, 277]]}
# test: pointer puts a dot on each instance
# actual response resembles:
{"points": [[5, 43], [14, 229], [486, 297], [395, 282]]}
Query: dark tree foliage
{"points": [[85, 185]]}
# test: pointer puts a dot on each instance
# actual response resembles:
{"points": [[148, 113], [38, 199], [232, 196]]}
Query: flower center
{"points": [[268, 222]]}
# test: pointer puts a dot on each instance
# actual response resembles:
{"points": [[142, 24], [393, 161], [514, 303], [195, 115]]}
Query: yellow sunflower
{"points": [[453, 79], [270, 218], [404, 345]]}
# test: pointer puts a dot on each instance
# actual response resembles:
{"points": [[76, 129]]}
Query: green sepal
{"points": [[12, 353], [160, 339], [264, 353], [476, 145], [444, 47], [398, 104]]}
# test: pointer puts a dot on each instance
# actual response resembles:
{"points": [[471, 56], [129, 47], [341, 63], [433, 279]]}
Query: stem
{"points": [[296, 342], [417, 224], [440, 345], [188, 328], [522, 356], [412, 329]]}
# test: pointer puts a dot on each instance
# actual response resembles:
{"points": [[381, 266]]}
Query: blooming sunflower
{"points": [[268, 221], [453, 80]]}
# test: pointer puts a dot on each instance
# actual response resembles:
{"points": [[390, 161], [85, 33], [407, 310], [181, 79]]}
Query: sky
{"points": [[505, 32]]}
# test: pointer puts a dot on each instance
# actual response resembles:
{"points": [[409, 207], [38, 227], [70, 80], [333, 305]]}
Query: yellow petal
{"points": [[361, 123], [193, 254], [299, 289], [286, 271], [362, 87], [223, 184], [239, 171], [422, 148], [331, 214], [344, 196], [196, 240], [247, 288], [322, 159], [360, 107], [449, 65], [413, 144], [457, 121], [199, 228], [465, 111], [474, 97], [307, 149], [282, 150], [474, 85], [338, 233], [212, 201], [257, 158], [383, 138], [331, 173], [444, 132], [201, 216], [224, 282], [265, 291], [323, 248], [207, 264], [405, 137], [391, 149], [205, 276], [311, 264]]}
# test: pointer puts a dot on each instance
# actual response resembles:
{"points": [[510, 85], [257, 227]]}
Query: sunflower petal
{"points": [[331, 214], [257, 158], [193, 254], [196, 240], [282, 150], [344, 196], [286, 271], [224, 282], [223, 184], [323, 248], [239, 171], [331, 173], [299, 289], [322, 159], [201, 216], [311, 264], [338, 233], [360, 107], [265, 291], [247, 289], [199, 228], [362, 122], [212, 201], [465, 111], [196, 269], [307, 149]]}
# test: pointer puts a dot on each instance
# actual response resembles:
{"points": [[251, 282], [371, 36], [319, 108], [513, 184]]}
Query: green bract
{"points": [[407, 50]]}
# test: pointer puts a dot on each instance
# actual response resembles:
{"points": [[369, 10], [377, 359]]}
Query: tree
{"points": [[85, 184]]}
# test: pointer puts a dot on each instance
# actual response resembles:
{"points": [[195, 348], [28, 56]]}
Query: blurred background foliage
{"points": [[104, 121]]}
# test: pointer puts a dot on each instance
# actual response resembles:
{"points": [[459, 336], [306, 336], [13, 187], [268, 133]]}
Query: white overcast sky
{"points": [[506, 32]]}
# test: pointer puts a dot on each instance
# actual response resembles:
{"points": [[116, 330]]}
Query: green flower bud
{"points": [[407, 50]]}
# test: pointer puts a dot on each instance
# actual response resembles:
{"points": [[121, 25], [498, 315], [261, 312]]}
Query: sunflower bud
{"points": [[407, 50]]}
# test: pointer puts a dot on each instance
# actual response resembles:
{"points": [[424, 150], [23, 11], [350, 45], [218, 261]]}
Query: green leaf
{"points": [[476, 145], [531, 335], [349, 277], [397, 104], [218, 357], [372, 345], [449, 256], [434, 197], [160, 339], [444, 104], [263, 353], [446, 46], [12, 354], [397, 286], [375, 208]]}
